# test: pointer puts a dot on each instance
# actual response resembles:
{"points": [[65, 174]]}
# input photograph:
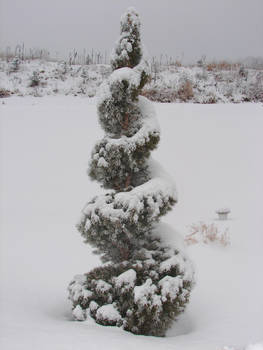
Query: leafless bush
{"points": [[253, 62], [87, 58], [222, 65], [160, 95], [185, 92], [207, 233], [23, 53], [4, 93]]}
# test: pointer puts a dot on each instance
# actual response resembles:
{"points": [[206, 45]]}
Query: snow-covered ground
{"points": [[214, 154]]}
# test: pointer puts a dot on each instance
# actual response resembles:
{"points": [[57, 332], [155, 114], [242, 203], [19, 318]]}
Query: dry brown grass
{"points": [[222, 65], [186, 93], [164, 95], [183, 94], [178, 63]]}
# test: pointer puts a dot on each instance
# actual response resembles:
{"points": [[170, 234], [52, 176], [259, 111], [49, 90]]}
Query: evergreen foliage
{"points": [[128, 51], [14, 65], [144, 284], [34, 79]]}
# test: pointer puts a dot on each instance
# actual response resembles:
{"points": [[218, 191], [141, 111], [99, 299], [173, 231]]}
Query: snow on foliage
{"points": [[128, 47], [146, 295], [169, 83], [170, 287], [78, 313], [145, 282], [108, 313], [77, 290], [126, 278]]}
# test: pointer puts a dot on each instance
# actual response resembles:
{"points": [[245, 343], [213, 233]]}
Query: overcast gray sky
{"points": [[215, 28]]}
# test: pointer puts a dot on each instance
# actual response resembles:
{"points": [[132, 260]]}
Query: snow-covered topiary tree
{"points": [[144, 283]]}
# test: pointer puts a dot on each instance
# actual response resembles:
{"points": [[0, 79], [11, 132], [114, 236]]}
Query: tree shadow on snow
{"points": [[184, 325]]}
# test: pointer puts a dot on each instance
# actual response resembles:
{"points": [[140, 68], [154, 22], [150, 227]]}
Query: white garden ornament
{"points": [[223, 213]]}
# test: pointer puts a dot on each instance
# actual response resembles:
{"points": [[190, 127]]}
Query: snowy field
{"points": [[214, 152]]}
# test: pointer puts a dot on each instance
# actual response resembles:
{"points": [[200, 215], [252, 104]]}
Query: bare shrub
{"points": [[4, 93], [185, 92], [160, 95], [222, 65], [207, 233], [178, 63], [243, 73], [202, 61], [210, 67]]}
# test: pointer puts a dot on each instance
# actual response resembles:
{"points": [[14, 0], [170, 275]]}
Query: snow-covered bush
{"points": [[34, 79], [168, 84], [185, 91], [14, 65], [255, 91], [61, 70], [144, 283]]}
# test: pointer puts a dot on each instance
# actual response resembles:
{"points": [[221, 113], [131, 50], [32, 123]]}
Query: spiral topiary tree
{"points": [[144, 283]]}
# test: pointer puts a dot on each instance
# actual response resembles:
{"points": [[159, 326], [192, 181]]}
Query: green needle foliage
{"points": [[144, 284]]}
